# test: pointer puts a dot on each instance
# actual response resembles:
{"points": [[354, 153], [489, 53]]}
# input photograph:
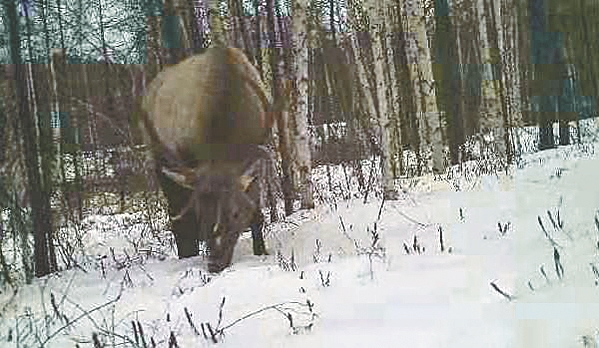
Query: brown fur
{"points": [[221, 83], [206, 119]]}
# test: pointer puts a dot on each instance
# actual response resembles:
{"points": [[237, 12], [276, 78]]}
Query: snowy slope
{"points": [[426, 299]]}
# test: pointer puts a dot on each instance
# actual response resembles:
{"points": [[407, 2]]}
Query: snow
{"points": [[427, 299]]}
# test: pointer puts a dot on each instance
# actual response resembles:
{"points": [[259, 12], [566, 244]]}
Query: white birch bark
{"points": [[491, 118], [421, 72], [299, 104], [376, 13], [508, 17], [393, 87]]}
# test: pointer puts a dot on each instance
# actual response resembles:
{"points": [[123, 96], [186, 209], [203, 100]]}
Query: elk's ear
{"points": [[183, 177], [244, 182]]}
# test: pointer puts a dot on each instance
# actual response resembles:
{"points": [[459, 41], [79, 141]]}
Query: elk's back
{"points": [[201, 106]]}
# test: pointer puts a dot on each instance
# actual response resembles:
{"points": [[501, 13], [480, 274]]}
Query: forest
{"points": [[349, 107]]}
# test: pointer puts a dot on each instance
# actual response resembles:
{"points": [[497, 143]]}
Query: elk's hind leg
{"points": [[256, 220], [257, 236]]}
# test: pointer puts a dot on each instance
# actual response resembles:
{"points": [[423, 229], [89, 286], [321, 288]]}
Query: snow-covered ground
{"points": [[326, 284]]}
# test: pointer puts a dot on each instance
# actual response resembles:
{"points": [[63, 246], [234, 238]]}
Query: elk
{"points": [[207, 120]]}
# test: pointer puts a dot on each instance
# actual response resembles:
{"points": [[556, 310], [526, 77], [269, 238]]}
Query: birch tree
{"points": [[492, 102], [299, 103], [421, 74], [376, 13], [510, 69], [283, 141]]}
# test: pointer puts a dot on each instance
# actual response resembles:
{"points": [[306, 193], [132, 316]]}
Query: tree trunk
{"points": [[493, 107], [510, 74], [376, 11], [448, 95], [299, 103], [375, 88], [282, 117], [419, 63], [39, 195], [564, 132]]}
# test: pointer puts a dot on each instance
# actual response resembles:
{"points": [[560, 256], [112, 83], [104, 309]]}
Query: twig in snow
{"points": [[190, 321], [325, 281], [441, 239], [378, 218], [85, 314], [542, 269], [172, 341], [420, 224], [280, 307], [406, 248], [553, 243], [505, 294], [596, 272], [558, 225], [559, 269]]}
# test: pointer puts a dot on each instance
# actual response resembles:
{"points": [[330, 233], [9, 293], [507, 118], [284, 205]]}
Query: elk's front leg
{"points": [[185, 228]]}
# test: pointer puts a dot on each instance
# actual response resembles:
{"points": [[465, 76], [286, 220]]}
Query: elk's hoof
{"points": [[259, 252]]}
